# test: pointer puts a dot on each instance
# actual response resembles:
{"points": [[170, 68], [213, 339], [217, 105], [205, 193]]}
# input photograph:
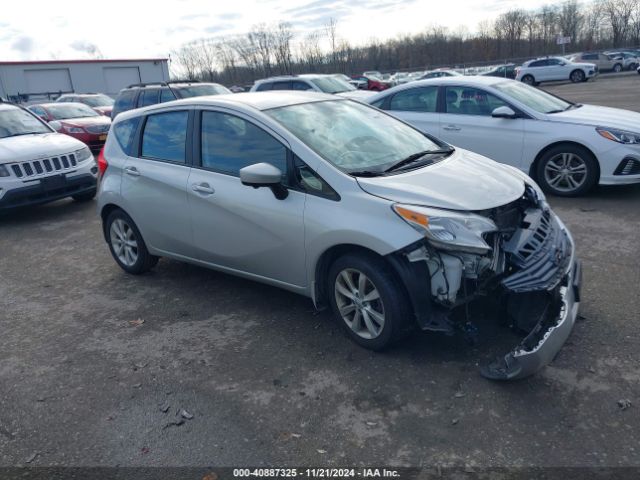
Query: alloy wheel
{"points": [[577, 76], [565, 172], [123, 241], [359, 303]]}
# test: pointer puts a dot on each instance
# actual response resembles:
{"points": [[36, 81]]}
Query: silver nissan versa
{"points": [[338, 201]]}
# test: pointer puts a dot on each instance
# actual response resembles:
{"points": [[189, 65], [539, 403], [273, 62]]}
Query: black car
{"points": [[505, 71], [144, 94]]}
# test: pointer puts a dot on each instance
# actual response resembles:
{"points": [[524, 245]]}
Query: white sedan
{"points": [[567, 147]]}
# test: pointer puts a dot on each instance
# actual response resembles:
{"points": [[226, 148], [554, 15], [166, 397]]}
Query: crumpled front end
{"points": [[529, 267]]}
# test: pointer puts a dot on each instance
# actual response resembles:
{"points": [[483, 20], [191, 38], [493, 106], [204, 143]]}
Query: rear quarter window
{"points": [[125, 101], [125, 132]]}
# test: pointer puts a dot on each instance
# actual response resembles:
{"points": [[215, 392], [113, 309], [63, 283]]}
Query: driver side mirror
{"points": [[56, 125], [503, 112], [264, 175]]}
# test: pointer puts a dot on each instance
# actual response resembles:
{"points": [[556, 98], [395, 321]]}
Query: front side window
{"points": [[471, 101], [300, 86], [263, 87], [352, 136], [281, 86], [415, 100], [230, 143], [165, 136], [15, 122], [539, 63], [310, 182]]}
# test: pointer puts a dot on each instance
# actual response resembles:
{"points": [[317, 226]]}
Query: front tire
{"points": [[367, 300], [127, 245], [567, 171], [84, 197], [617, 68], [577, 76]]}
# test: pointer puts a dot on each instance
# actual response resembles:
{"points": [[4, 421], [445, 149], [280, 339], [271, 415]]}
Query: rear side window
{"points": [[281, 86], [148, 97], [166, 95], [125, 132], [125, 101], [263, 87], [415, 100], [165, 136], [230, 143], [300, 86], [539, 63]]}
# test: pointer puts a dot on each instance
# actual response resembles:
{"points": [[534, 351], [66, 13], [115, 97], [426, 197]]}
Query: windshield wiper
{"points": [[560, 110], [417, 156], [366, 173]]}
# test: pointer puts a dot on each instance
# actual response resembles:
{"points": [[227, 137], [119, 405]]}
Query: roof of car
{"points": [[7, 106], [253, 100], [55, 104], [278, 78]]}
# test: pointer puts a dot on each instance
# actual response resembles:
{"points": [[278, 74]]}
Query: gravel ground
{"points": [[96, 366]]}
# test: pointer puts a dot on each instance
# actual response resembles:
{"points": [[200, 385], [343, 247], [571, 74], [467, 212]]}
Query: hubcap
{"points": [[565, 172], [359, 303], [123, 241]]}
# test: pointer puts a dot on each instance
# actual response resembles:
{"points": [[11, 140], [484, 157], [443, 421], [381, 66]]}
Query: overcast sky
{"points": [[45, 29]]}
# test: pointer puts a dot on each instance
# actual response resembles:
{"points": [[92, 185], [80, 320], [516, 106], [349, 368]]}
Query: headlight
{"points": [[83, 154], [74, 129], [456, 231], [4, 171], [619, 136]]}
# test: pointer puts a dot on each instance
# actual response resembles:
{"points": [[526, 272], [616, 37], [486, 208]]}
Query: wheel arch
{"points": [[533, 169], [105, 211]]}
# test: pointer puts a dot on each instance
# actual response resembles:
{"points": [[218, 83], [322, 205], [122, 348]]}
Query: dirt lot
{"points": [[90, 357]]}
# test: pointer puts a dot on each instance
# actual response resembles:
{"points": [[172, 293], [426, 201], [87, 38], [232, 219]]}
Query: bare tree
{"points": [[570, 19], [282, 43], [332, 34], [618, 14]]}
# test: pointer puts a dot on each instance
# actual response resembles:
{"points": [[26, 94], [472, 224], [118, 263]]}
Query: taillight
{"points": [[102, 164]]}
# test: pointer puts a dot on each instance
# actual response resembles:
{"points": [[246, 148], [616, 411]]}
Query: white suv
{"points": [[39, 165], [552, 69]]}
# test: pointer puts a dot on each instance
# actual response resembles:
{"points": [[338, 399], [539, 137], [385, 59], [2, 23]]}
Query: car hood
{"points": [[464, 181], [599, 117], [362, 95], [86, 121], [31, 147]]}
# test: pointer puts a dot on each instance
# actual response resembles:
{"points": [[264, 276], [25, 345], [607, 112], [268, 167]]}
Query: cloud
{"points": [[229, 16], [218, 28], [193, 16], [85, 47], [23, 44]]}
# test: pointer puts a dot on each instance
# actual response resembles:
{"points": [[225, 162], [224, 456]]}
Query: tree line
{"points": [[515, 35]]}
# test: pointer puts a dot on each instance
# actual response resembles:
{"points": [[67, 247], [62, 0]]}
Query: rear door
{"points": [[154, 181], [557, 69], [417, 106], [237, 227], [467, 123]]}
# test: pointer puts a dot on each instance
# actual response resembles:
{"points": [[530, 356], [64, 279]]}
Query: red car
{"points": [[371, 83], [99, 102], [76, 120]]}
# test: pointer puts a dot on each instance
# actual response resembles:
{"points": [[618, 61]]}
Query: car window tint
{"points": [[378, 103], [300, 86], [125, 133], [166, 95], [165, 136], [263, 86], [125, 101], [471, 101], [230, 143], [415, 100], [148, 97], [281, 86]]}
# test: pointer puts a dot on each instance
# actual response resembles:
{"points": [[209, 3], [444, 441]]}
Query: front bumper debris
{"points": [[540, 347]]}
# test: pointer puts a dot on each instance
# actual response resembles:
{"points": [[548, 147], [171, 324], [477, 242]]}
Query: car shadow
{"points": [[58, 210]]}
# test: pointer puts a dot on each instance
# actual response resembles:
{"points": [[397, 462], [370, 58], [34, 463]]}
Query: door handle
{"points": [[133, 171], [452, 128], [202, 188]]}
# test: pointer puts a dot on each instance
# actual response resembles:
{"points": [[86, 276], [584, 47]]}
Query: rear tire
{"points": [[367, 300], [567, 171], [577, 76], [127, 245], [529, 80]]}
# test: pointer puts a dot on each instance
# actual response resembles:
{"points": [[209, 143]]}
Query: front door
{"points": [[417, 106], [238, 227], [467, 123]]}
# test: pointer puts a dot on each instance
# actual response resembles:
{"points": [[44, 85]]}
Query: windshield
{"points": [[332, 85], [202, 90], [14, 122], [352, 136], [97, 101], [533, 98], [70, 110]]}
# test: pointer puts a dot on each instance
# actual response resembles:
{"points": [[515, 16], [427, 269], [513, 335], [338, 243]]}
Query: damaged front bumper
{"points": [[532, 272]]}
